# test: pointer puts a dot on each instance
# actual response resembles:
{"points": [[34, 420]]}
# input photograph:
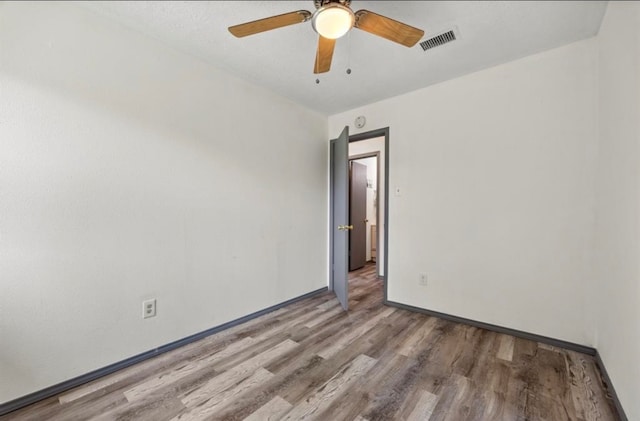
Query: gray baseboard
{"points": [[610, 388], [500, 329], [50, 391]]}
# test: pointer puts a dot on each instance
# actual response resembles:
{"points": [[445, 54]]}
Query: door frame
{"points": [[384, 132], [375, 155]]}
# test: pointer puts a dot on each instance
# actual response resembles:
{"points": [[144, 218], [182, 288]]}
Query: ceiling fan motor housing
{"points": [[320, 3]]}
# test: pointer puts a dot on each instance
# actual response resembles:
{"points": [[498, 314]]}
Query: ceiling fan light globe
{"points": [[333, 20]]}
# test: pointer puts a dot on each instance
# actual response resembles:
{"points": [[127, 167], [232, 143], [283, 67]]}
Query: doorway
{"points": [[344, 150], [363, 208]]}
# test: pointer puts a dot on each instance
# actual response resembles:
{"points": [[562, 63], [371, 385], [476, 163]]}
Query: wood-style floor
{"points": [[312, 361]]}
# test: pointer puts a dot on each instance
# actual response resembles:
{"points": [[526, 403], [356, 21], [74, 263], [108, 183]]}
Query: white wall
{"points": [[617, 248], [374, 145], [129, 170], [496, 171]]}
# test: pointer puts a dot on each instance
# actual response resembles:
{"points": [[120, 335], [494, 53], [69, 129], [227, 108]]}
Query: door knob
{"points": [[345, 227]]}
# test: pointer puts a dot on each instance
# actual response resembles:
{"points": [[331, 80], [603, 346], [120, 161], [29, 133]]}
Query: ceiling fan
{"points": [[331, 20]]}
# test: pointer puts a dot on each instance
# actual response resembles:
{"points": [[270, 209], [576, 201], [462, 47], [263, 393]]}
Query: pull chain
{"points": [[349, 53], [317, 56]]}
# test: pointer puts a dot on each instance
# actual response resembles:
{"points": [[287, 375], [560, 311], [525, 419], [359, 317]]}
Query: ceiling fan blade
{"points": [[267, 24], [388, 28], [324, 54]]}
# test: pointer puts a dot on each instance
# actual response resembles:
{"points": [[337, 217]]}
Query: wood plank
{"points": [[328, 305], [576, 368], [551, 391], [163, 361], [411, 344], [505, 352], [424, 408], [357, 400], [290, 324], [141, 390], [324, 317], [236, 374], [388, 399], [455, 400], [548, 347], [271, 411], [290, 374], [154, 409], [100, 402], [92, 387], [322, 398], [344, 340], [589, 397], [217, 401]]}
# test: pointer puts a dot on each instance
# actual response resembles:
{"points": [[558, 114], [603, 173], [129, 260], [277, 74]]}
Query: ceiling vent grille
{"points": [[438, 40]]}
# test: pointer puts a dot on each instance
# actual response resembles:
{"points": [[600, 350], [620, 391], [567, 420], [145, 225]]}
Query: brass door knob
{"points": [[345, 227]]}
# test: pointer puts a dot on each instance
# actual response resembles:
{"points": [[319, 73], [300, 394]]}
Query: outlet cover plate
{"points": [[149, 308], [423, 279]]}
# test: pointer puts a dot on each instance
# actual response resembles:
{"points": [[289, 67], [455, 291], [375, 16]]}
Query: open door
{"points": [[340, 216], [357, 215]]}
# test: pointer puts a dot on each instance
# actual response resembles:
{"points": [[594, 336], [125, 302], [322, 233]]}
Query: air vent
{"points": [[438, 40]]}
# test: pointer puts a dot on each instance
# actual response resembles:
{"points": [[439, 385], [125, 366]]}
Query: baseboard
{"points": [[50, 391], [610, 388], [500, 329]]}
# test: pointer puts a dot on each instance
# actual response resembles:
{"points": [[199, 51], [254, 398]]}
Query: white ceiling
{"points": [[282, 60]]}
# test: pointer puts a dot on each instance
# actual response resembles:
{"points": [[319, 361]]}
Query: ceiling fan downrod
{"points": [[320, 3]]}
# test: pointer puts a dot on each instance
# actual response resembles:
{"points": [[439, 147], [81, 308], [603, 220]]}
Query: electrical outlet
{"points": [[149, 308], [423, 279]]}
